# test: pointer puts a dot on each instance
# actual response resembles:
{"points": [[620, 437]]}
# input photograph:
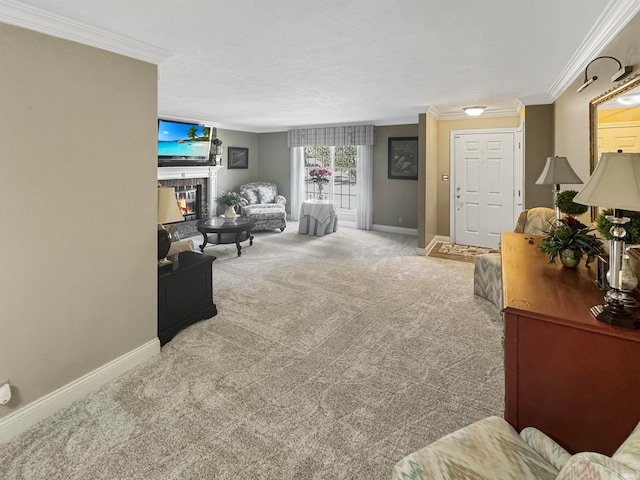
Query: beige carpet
{"points": [[330, 358], [454, 251]]}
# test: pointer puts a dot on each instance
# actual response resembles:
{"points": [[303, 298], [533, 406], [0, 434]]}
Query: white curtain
{"points": [[297, 181], [364, 188]]}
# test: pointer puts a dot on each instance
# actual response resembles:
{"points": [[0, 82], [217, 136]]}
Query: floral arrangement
{"points": [[229, 199], [320, 175], [571, 234]]}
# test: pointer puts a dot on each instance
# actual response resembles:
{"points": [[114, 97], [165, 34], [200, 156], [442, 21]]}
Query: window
{"points": [[342, 161]]}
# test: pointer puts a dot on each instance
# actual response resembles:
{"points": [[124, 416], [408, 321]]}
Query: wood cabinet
{"points": [[566, 373], [185, 294]]}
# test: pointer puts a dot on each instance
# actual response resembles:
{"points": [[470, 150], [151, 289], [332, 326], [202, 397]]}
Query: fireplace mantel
{"points": [[210, 172]]}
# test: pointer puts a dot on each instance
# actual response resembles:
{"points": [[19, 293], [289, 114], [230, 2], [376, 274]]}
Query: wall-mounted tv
{"points": [[181, 144]]}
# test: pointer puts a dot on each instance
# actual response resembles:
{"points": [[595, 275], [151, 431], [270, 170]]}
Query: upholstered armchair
{"points": [[491, 449], [260, 200], [487, 273]]}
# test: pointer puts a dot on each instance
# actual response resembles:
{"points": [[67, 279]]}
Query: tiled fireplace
{"points": [[195, 191]]}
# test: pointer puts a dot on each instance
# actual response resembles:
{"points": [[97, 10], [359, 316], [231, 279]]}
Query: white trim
{"points": [[434, 240], [32, 18], [22, 419], [613, 19], [392, 229]]}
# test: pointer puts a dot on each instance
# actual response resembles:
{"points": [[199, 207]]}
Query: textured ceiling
{"points": [[261, 65]]}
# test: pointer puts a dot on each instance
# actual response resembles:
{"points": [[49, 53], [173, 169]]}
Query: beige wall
{"points": [[445, 127], [78, 235], [392, 198], [538, 132], [572, 108]]}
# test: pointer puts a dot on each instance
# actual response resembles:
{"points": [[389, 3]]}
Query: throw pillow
{"points": [[250, 195], [267, 194]]}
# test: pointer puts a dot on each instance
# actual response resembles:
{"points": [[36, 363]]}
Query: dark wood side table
{"points": [[566, 373], [185, 294]]}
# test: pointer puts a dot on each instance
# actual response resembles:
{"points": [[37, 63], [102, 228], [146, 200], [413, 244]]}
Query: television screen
{"points": [[183, 143]]}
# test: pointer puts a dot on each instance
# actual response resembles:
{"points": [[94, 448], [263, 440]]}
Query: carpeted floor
{"points": [[330, 358], [454, 251]]}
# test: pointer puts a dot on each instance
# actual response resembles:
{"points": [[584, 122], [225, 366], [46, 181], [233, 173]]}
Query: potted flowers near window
{"points": [[320, 176], [229, 200], [571, 240]]}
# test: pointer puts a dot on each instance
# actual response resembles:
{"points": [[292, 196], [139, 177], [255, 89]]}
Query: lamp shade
{"points": [[615, 183], [557, 170], [168, 210]]}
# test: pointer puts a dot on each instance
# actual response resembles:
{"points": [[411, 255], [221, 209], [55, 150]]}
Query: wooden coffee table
{"points": [[220, 230]]}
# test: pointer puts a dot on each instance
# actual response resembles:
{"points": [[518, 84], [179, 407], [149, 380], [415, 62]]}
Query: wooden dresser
{"points": [[566, 373]]}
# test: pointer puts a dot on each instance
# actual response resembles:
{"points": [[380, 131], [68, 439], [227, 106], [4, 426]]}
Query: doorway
{"points": [[484, 166]]}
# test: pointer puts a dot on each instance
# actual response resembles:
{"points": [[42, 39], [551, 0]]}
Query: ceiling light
{"points": [[629, 101], [474, 111], [619, 75]]}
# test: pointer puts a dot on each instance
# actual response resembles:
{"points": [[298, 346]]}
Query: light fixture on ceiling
{"points": [[474, 111], [619, 75]]}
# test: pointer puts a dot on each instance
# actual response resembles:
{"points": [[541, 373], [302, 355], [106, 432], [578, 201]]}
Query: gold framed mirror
{"points": [[614, 121]]}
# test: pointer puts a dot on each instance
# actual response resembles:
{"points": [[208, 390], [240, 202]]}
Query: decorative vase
{"points": [[570, 258], [230, 212], [320, 195]]}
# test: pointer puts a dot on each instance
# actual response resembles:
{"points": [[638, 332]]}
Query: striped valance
{"points": [[332, 136]]}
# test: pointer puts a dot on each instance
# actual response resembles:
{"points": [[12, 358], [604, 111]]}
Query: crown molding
{"points": [[613, 19], [31, 18]]}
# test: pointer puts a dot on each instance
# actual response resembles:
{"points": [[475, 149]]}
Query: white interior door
{"points": [[483, 196]]}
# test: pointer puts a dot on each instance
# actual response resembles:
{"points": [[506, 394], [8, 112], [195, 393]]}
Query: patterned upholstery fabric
{"points": [[491, 449], [250, 194], [629, 452], [487, 273], [547, 448], [487, 278], [595, 466], [270, 214], [486, 450]]}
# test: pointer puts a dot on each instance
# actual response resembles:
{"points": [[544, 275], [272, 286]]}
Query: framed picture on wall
{"points": [[238, 157], [403, 158]]}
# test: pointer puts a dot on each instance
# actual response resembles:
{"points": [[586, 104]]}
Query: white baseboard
{"points": [[29, 415], [436, 239], [400, 230]]}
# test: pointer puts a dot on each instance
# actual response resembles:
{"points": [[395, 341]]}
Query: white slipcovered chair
{"points": [[487, 273], [492, 450]]}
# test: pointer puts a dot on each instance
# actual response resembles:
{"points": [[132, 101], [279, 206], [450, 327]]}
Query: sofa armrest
{"points": [[545, 447], [489, 449], [595, 466], [280, 199]]}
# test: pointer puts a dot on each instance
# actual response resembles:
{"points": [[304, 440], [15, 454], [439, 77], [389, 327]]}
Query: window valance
{"points": [[332, 136]]}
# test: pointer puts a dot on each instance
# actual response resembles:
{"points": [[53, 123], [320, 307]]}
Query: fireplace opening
{"points": [[189, 201]]}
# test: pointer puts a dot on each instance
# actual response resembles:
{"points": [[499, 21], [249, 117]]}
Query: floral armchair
{"points": [[260, 200], [491, 449]]}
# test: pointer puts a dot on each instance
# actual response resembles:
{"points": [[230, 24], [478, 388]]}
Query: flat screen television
{"points": [[183, 144]]}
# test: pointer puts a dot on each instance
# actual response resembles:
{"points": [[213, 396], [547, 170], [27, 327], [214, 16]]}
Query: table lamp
{"points": [[556, 171], [615, 183], [168, 212]]}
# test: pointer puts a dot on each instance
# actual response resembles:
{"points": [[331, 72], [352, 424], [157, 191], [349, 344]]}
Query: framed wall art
{"points": [[238, 157], [403, 158]]}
